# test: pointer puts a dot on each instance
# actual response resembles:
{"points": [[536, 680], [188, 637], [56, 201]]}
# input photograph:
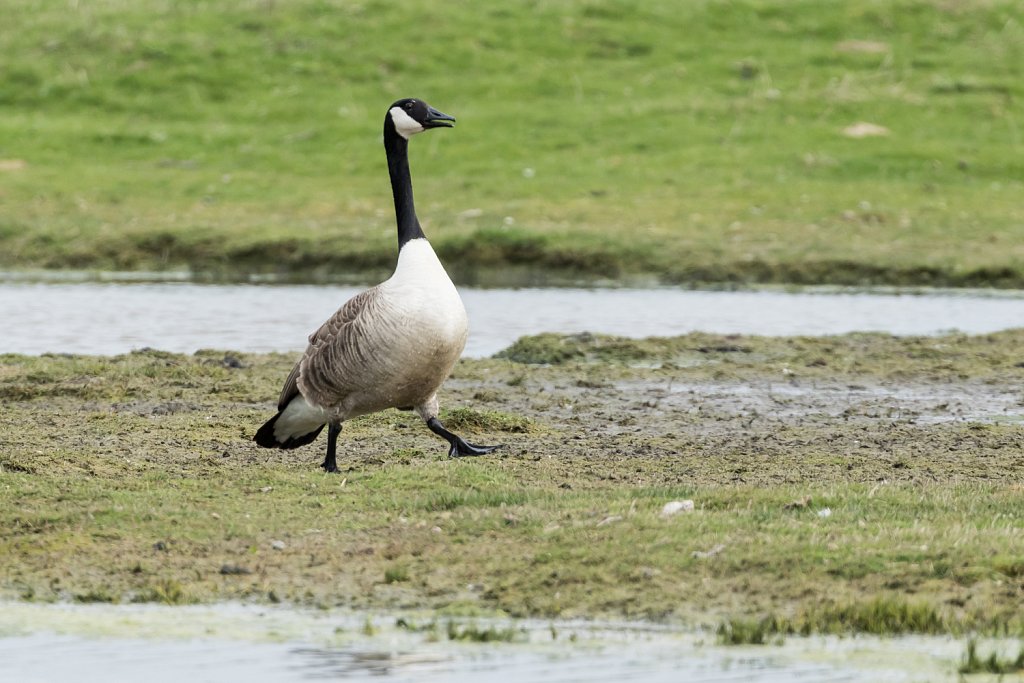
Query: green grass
{"points": [[396, 574], [492, 420], [134, 478], [465, 632], [476, 634], [745, 632], [696, 141], [880, 615], [993, 664]]}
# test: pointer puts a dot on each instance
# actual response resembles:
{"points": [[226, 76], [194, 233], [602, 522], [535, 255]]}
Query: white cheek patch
{"points": [[405, 124]]}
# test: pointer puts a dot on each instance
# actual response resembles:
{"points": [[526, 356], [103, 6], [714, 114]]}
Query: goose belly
{"points": [[410, 352], [411, 365]]}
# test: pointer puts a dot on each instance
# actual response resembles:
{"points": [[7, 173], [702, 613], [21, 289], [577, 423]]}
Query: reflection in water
{"points": [[331, 664], [110, 318]]}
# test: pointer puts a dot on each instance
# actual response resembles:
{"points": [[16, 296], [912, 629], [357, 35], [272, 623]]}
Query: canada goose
{"points": [[391, 346]]}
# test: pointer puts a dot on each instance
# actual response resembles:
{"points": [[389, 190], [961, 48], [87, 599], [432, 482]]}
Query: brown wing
{"points": [[332, 350], [330, 330], [291, 387], [337, 324]]}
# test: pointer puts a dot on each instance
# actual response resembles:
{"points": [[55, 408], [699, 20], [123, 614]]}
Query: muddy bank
{"points": [[490, 259], [826, 473]]}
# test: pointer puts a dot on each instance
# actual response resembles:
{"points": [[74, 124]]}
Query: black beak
{"points": [[436, 119]]}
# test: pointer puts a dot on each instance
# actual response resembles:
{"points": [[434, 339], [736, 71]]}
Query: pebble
{"points": [[705, 554], [676, 506]]}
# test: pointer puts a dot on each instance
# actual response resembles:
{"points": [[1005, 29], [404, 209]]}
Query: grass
{"points": [[881, 615], [475, 634], [465, 632], [698, 141], [396, 574], [993, 664], [461, 419], [134, 478], [745, 632]]}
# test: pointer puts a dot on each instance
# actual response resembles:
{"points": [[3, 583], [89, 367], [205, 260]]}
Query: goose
{"points": [[391, 346]]}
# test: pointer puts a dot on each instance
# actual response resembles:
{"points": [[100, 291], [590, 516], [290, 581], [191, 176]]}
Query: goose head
{"points": [[410, 116]]}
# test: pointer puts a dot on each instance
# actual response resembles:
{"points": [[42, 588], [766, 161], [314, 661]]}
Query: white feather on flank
{"points": [[405, 125], [298, 418]]}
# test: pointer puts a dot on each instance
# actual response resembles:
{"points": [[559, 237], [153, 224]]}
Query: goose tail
{"points": [[269, 436]]}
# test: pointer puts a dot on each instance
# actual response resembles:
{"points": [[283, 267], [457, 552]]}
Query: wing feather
{"points": [[322, 374], [291, 388]]}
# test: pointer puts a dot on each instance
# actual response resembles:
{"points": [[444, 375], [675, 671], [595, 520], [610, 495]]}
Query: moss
{"points": [[554, 349], [543, 349], [955, 356], [473, 420]]}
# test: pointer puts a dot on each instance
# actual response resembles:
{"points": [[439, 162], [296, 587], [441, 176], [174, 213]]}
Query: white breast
{"points": [[421, 292]]}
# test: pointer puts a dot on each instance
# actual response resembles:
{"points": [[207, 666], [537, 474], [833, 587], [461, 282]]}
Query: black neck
{"points": [[397, 149]]}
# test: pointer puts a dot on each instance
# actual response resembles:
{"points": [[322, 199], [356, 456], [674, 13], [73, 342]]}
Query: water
{"points": [[56, 643], [110, 318]]}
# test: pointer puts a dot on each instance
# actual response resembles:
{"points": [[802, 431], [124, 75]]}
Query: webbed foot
{"points": [[460, 448]]}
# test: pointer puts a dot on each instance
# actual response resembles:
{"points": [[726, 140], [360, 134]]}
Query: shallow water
{"points": [[110, 318], [50, 643]]}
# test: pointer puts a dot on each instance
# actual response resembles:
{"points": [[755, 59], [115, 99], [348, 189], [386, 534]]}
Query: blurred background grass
{"points": [[692, 141]]}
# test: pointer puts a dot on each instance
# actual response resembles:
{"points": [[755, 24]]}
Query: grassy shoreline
{"points": [[133, 478], [695, 142], [483, 263]]}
